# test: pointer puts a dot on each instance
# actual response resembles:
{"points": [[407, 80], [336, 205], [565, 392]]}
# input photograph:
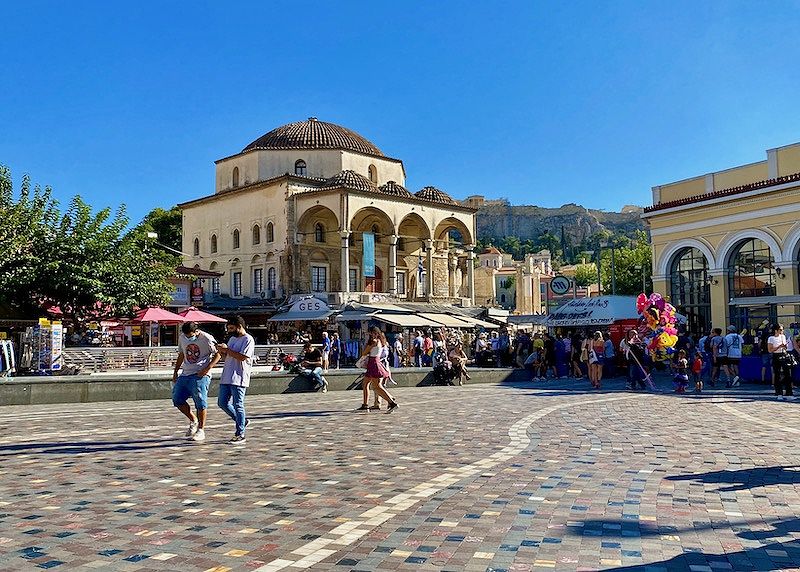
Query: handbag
{"points": [[789, 360], [362, 362]]}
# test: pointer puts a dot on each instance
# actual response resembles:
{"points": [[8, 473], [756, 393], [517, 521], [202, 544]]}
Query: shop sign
{"points": [[560, 285], [310, 306], [180, 296], [197, 296]]}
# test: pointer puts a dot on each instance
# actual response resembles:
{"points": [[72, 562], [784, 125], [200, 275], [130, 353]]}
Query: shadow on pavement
{"points": [[288, 414], [72, 448], [746, 478], [775, 556]]}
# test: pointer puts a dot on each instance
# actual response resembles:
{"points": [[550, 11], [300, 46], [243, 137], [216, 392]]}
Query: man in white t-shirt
{"points": [[197, 354], [235, 377], [733, 344]]}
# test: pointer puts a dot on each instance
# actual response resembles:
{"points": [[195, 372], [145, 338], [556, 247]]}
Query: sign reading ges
{"points": [[560, 285]]}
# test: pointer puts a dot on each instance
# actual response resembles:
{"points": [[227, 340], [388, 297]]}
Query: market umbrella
{"points": [[157, 316], [192, 314]]}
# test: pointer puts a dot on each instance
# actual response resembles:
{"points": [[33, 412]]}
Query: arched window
{"points": [[235, 177], [215, 280], [690, 288], [196, 247], [751, 273], [374, 230], [270, 232], [319, 232], [373, 174], [300, 167], [236, 238], [751, 270], [272, 280], [256, 234]]}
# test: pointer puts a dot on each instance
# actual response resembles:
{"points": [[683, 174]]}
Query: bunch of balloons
{"points": [[660, 319]]}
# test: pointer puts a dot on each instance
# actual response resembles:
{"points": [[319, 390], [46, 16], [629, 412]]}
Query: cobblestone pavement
{"points": [[521, 477]]}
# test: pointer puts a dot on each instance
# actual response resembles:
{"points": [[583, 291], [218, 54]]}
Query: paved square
{"points": [[521, 477]]}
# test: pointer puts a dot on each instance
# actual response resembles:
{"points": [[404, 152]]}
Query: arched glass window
{"points": [[373, 174], [751, 270], [236, 238], [196, 247], [213, 243], [272, 280], [319, 232], [256, 234], [270, 232], [300, 167], [235, 177], [454, 236], [690, 289]]}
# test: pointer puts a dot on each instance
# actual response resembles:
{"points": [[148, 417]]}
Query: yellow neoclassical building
{"points": [[291, 212], [726, 244]]}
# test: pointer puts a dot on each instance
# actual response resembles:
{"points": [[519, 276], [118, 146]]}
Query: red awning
{"points": [[194, 315], [159, 315]]}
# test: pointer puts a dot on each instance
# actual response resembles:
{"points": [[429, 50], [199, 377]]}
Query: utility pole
{"points": [[613, 273], [599, 260]]}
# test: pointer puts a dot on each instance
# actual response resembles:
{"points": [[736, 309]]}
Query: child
{"points": [[697, 370], [681, 378]]}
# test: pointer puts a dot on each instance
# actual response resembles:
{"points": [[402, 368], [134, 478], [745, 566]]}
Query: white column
{"points": [[345, 278], [471, 272], [451, 275], [393, 265], [429, 281]]}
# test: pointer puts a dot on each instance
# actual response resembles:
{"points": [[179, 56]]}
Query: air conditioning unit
{"points": [[365, 298]]}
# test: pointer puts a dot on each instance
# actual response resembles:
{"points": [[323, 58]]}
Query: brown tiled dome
{"points": [[350, 180], [393, 188], [434, 195], [490, 250], [314, 134]]}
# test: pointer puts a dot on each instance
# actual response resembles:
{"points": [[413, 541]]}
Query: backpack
{"points": [[707, 346]]}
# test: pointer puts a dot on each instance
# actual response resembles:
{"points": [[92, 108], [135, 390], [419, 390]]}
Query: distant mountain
{"points": [[498, 218]]}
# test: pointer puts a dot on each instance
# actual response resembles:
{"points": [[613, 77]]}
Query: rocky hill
{"points": [[499, 218]]}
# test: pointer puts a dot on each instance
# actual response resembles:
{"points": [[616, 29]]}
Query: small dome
{"points": [[434, 195], [314, 134], [393, 188], [350, 180], [490, 250]]}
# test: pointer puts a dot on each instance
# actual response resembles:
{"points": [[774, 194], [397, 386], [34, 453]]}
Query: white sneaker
{"points": [[781, 398], [736, 381], [324, 389], [192, 429], [200, 435]]}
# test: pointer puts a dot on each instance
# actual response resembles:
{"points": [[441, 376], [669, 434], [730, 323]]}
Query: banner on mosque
{"points": [[368, 241]]}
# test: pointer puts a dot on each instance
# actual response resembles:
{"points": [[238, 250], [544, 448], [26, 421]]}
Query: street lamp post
{"points": [[606, 244], [641, 267]]}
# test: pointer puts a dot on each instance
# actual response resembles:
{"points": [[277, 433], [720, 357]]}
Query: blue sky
{"points": [[541, 102]]}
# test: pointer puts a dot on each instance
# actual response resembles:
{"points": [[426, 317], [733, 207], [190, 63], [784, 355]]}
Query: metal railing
{"points": [[95, 360]]}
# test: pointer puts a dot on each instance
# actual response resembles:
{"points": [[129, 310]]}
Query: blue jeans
{"points": [[316, 376], [194, 386], [233, 393]]}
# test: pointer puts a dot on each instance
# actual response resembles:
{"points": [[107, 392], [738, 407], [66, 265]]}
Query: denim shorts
{"points": [[192, 386]]}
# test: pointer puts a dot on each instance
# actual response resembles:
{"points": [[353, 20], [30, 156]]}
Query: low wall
{"points": [[142, 386]]}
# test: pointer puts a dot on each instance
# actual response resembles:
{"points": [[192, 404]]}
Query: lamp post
{"points": [[606, 244], [641, 267]]}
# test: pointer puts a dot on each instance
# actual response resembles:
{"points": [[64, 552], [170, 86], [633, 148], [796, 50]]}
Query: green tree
{"points": [[585, 274], [88, 264], [167, 224], [632, 257]]}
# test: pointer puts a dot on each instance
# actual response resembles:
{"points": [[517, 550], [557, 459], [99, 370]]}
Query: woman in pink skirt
{"points": [[375, 370]]}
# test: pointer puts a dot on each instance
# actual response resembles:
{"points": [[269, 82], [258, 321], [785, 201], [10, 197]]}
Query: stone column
{"points": [[345, 272], [471, 272], [451, 275], [429, 267], [393, 265]]}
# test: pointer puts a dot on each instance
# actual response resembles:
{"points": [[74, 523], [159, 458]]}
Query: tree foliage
{"points": [[88, 264], [167, 224], [585, 274], [631, 259]]}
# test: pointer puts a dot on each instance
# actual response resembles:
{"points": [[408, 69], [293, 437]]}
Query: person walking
{"points": [[418, 342], [733, 344], [398, 351], [717, 343], [197, 354], [235, 378], [375, 370], [596, 347], [608, 357], [326, 351], [781, 364], [336, 351]]}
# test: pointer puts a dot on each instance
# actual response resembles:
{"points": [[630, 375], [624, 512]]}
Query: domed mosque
{"points": [[312, 208]]}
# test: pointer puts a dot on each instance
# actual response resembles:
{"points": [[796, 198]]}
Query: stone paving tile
{"points": [[477, 478]]}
